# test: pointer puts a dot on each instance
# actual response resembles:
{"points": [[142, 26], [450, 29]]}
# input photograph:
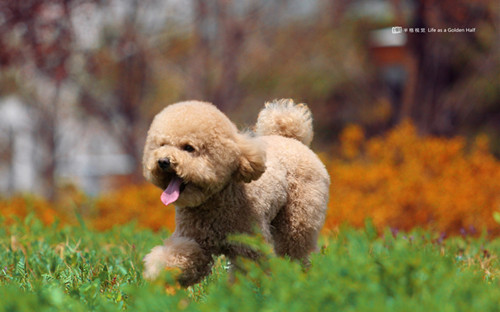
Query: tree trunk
{"points": [[200, 54], [47, 132], [231, 37]]}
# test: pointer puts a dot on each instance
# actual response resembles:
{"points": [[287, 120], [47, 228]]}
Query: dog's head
{"points": [[193, 151]]}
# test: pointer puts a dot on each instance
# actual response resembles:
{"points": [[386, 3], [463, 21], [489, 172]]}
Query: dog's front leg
{"points": [[178, 252]]}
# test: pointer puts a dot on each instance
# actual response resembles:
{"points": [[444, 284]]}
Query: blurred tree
{"points": [[114, 84], [452, 76], [36, 36], [231, 36], [200, 54], [334, 11], [39, 47], [220, 32], [321, 60], [239, 54], [7, 155]]}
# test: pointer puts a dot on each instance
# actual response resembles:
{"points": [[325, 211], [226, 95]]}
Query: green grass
{"points": [[77, 269]]}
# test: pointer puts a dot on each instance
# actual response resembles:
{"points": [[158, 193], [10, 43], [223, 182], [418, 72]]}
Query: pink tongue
{"points": [[172, 191]]}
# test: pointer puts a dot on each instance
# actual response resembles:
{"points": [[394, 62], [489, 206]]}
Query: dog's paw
{"points": [[155, 262]]}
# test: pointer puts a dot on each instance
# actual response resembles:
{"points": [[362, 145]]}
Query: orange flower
{"points": [[399, 180], [403, 180]]}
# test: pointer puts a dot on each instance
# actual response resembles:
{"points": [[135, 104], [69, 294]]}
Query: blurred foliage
{"points": [[73, 268], [327, 70], [52, 257], [452, 75], [137, 202], [67, 210], [399, 179], [137, 57], [403, 180], [77, 253]]}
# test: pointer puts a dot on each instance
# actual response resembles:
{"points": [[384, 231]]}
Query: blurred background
{"points": [[80, 81]]}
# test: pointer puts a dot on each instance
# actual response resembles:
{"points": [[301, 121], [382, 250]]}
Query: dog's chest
{"points": [[210, 227]]}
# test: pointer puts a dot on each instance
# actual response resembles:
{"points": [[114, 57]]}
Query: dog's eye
{"points": [[188, 148]]}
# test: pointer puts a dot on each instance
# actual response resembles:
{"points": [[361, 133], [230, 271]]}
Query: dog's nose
{"points": [[164, 163]]}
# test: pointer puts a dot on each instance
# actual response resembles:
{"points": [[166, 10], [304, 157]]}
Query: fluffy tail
{"points": [[284, 117]]}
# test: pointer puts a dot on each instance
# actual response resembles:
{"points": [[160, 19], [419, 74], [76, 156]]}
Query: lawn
{"points": [[74, 268]]}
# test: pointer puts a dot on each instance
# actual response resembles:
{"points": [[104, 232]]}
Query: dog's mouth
{"points": [[173, 190]]}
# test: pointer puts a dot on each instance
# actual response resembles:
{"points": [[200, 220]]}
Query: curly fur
{"points": [[234, 181], [286, 119]]}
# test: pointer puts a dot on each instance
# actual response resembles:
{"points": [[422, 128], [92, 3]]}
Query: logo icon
{"points": [[397, 30]]}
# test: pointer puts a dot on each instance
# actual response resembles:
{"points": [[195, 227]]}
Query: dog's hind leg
{"points": [[182, 253], [296, 227]]}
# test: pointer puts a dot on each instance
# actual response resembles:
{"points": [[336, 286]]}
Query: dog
{"points": [[224, 182]]}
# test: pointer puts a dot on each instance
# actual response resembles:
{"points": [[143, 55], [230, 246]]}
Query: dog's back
{"points": [[296, 171]]}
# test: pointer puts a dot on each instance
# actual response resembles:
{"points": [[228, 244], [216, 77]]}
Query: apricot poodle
{"points": [[223, 181]]}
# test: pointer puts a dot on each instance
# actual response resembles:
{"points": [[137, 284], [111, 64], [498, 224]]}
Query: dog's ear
{"points": [[252, 159]]}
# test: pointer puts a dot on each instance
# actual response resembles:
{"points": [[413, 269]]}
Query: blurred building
{"points": [[86, 156]]}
